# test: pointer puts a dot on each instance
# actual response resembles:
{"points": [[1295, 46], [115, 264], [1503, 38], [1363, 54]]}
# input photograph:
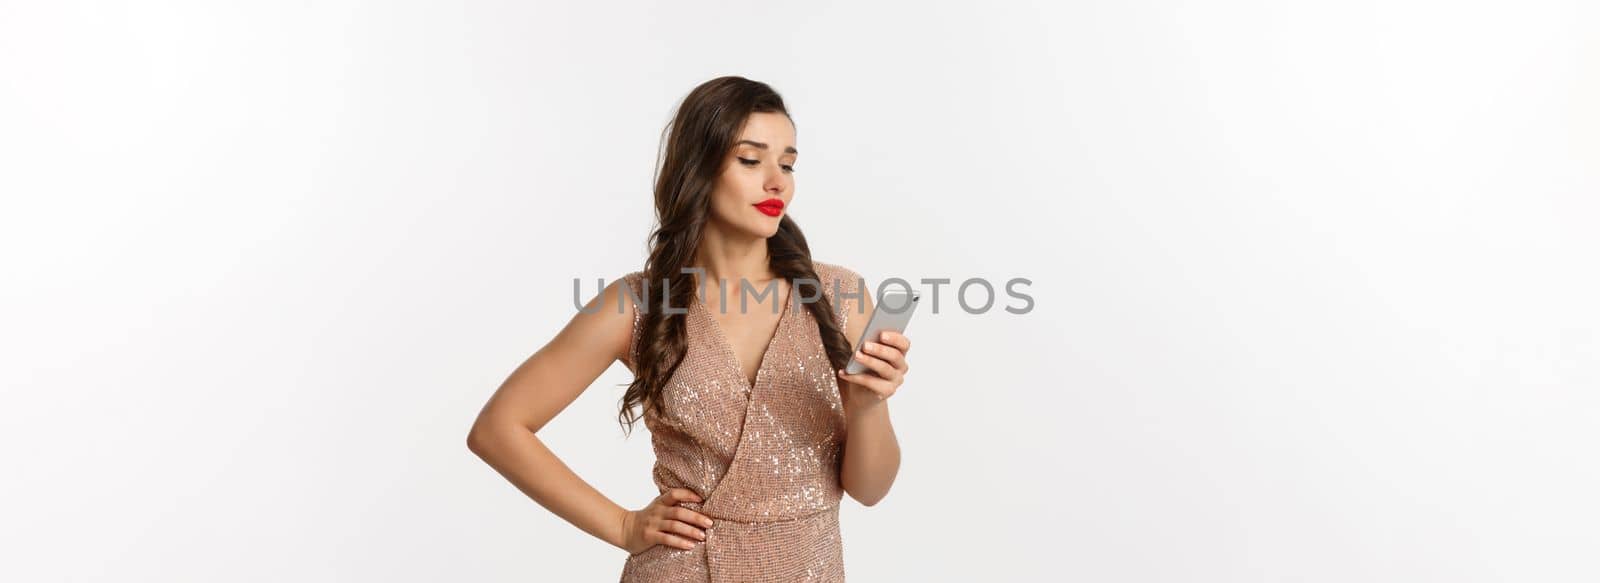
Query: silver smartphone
{"points": [[892, 312]]}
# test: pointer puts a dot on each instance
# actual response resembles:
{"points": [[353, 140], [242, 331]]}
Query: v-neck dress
{"points": [[764, 458]]}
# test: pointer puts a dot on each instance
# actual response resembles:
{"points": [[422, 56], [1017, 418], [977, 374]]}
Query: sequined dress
{"points": [[765, 459]]}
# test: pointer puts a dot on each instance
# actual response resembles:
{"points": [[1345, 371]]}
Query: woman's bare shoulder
{"points": [[626, 293], [597, 335], [606, 321]]}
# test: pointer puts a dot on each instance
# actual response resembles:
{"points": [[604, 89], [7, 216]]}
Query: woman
{"points": [[748, 408]]}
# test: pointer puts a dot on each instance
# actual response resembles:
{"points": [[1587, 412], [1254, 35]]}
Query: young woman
{"points": [[756, 429]]}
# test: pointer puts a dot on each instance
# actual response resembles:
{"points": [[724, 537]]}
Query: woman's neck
{"points": [[729, 258]]}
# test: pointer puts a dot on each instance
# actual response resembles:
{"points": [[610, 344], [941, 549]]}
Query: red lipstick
{"points": [[771, 207]]}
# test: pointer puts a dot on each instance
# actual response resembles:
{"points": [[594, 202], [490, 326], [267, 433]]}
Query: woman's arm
{"points": [[504, 433], [871, 452]]}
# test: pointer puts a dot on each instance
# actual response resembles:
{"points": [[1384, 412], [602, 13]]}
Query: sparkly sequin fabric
{"points": [[764, 458]]}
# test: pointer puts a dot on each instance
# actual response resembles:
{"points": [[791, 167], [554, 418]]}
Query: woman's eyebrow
{"points": [[763, 146]]}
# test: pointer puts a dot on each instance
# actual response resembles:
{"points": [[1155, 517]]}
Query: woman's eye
{"points": [[749, 162]]}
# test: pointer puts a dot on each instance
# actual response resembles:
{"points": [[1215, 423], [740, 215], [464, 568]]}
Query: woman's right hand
{"points": [[664, 522]]}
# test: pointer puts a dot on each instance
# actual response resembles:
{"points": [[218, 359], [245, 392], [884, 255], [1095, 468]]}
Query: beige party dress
{"points": [[765, 458]]}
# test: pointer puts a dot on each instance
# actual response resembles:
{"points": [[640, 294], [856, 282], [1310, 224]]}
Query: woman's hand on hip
{"points": [[664, 522]]}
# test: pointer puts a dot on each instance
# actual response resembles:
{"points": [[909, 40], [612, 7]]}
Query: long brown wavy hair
{"points": [[698, 141]]}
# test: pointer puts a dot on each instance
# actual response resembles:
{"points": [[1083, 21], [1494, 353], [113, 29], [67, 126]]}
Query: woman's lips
{"points": [[771, 207]]}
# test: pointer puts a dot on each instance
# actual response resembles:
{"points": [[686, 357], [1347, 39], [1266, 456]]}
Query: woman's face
{"points": [[759, 168]]}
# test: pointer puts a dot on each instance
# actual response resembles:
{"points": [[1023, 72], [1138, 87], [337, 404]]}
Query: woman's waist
{"points": [[763, 514], [737, 497]]}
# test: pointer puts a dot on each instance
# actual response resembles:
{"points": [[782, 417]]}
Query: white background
{"points": [[1314, 281]]}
